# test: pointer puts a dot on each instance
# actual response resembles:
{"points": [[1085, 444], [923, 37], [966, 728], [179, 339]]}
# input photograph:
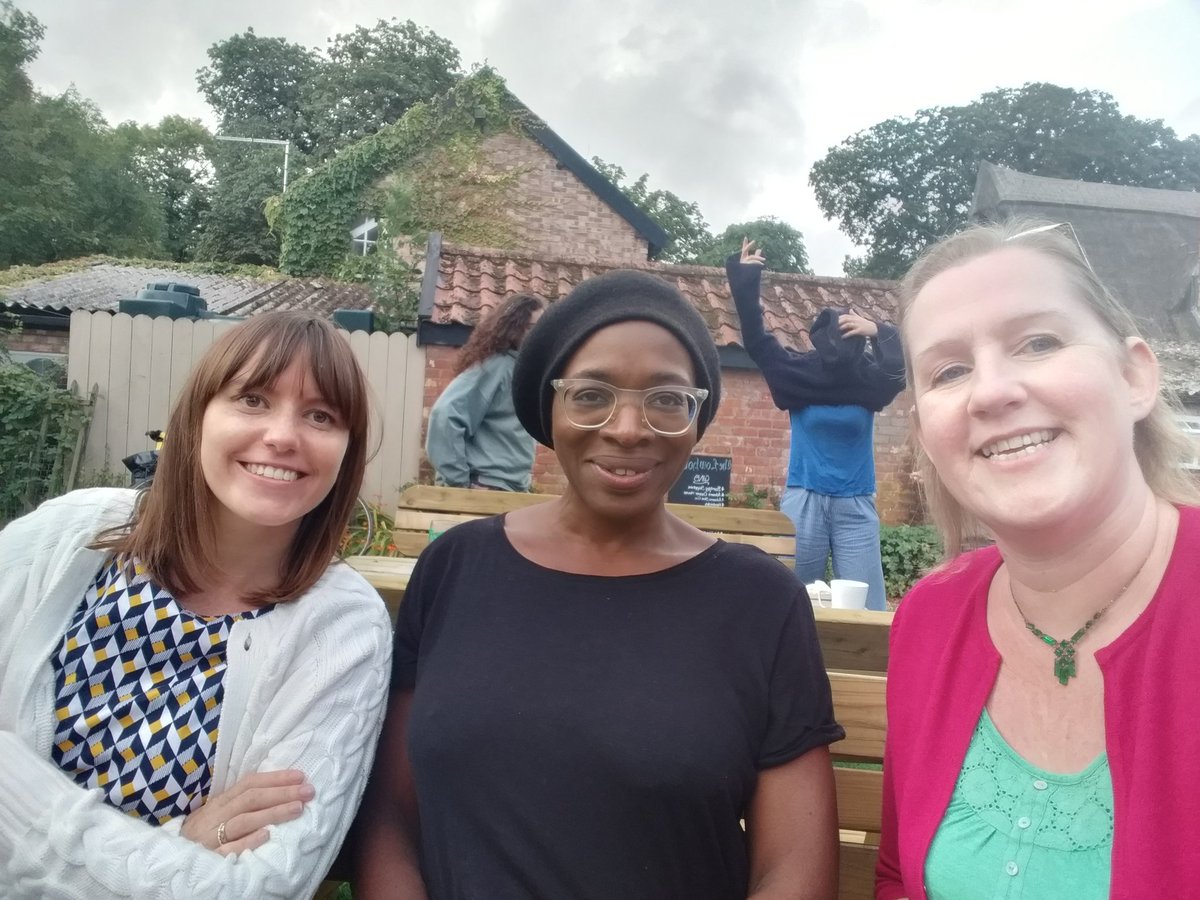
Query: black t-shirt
{"points": [[577, 736]]}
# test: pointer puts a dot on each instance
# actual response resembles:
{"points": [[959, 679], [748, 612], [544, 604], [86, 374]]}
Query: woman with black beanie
{"points": [[589, 695]]}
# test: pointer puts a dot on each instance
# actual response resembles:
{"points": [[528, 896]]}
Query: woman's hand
{"points": [[750, 256], [855, 324], [237, 819]]}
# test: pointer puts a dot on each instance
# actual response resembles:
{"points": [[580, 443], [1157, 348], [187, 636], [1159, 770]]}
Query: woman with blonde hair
{"points": [[190, 683], [1041, 738]]}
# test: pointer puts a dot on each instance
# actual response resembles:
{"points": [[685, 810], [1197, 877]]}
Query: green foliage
{"points": [[260, 80], [174, 159], [369, 533], [368, 78], [234, 227], [395, 285], [692, 243], [753, 497], [681, 219], [903, 183], [39, 423], [908, 551], [781, 244], [436, 145], [372, 77], [271, 88], [20, 35], [67, 186]]}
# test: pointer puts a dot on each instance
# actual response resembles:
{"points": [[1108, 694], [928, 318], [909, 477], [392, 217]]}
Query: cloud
{"points": [[702, 96], [727, 105]]}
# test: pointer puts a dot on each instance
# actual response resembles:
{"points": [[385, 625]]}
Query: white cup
{"points": [[819, 594], [848, 594]]}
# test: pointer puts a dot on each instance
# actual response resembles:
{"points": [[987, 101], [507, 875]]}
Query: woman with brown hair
{"points": [[190, 684], [1041, 692], [474, 438]]}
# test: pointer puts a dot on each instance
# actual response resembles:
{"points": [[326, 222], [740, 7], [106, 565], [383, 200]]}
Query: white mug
{"points": [[848, 594], [819, 594]]}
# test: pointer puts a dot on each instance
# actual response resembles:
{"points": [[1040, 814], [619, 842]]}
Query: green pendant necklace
{"points": [[1064, 650]]}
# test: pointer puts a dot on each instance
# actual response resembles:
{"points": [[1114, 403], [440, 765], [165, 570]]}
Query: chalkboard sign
{"points": [[704, 482]]}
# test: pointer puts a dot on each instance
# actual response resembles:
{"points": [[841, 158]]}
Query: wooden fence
{"points": [[139, 365]]}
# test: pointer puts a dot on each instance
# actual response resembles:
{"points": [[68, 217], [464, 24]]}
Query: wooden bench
{"points": [[423, 507], [853, 644]]}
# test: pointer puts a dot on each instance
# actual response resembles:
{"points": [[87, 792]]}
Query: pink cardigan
{"points": [[941, 669]]}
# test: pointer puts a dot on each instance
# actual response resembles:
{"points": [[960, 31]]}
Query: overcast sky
{"points": [[727, 104]]}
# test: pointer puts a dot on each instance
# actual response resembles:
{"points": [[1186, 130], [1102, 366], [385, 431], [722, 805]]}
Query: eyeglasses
{"points": [[669, 410], [1070, 230]]}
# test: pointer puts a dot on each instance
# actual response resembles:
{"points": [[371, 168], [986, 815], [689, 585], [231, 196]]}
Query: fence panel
{"points": [[139, 366]]}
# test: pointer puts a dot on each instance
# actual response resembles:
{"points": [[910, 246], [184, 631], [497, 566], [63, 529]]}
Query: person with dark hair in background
{"points": [[191, 683], [831, 394], [474, 438], [589, 695]]}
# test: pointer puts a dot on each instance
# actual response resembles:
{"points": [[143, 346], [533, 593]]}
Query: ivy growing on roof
{"points": [[427, 163]]}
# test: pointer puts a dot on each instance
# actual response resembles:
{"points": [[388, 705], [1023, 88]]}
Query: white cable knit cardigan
{"points": [[305, 688]]}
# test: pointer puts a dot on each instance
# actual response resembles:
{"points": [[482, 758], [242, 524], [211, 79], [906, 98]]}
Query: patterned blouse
{"points": [[138, 686], [1015, 830]]}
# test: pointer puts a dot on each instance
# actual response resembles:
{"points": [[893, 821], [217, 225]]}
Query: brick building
{"points": [[569, 222], [567, 209], [463, 283]]}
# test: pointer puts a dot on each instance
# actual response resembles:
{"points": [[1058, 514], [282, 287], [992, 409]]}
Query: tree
{"points": [[905, 182], [66, 186], [781, 244], [258, 86], [20, 34], [234, 227], [174, 159], [260, 80], [682, 220], [271, 88], [372, 76]]}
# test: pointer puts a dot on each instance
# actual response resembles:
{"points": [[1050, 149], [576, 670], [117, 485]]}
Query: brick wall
{"points": [[748, 428], [39, 340], [558, 217]]}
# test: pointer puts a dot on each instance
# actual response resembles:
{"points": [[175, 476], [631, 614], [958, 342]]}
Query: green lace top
{"points": [[1013, 830]]}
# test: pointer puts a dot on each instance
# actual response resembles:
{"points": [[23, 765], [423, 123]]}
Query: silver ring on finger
{"points": [[221, 839]]}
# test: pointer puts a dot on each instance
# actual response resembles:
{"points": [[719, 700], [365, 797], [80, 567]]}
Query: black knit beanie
{"points": [[619, 296]]}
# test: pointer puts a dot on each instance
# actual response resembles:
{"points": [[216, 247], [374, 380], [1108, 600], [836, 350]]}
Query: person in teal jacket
{"points": [[474, 438]]}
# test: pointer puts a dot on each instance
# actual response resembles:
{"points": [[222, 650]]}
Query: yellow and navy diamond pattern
{"points": [[138, 687]]}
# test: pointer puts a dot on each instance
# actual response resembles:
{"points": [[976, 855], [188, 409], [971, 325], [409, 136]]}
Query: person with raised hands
{"points": [[831, 394]]}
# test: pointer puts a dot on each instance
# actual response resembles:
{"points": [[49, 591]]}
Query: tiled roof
{"points": [[472, 281], [1014, 186], [102, 285]]}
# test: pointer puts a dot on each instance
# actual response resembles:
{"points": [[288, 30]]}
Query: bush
{"points": [[908, 551], [39, 424]]}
